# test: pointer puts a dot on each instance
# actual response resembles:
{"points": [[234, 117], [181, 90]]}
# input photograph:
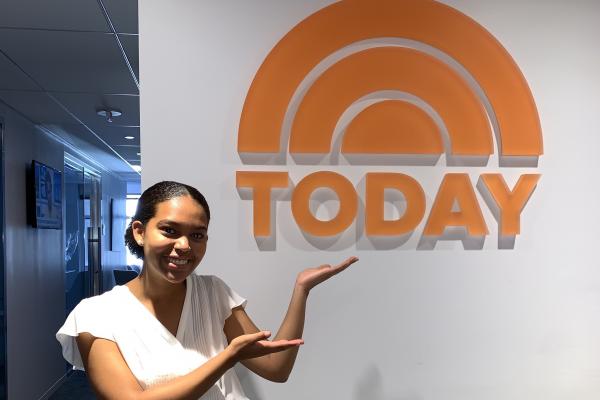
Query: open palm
{"points": [[311, 277]]}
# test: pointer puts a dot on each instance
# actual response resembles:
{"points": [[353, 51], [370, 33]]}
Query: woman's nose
{"points": [[183, 243]]}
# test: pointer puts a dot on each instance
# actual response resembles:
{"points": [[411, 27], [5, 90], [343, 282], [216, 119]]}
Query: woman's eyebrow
{"points": [[169, 222]]}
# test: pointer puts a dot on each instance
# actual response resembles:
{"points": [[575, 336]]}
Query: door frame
{"points": [[3, 325]]}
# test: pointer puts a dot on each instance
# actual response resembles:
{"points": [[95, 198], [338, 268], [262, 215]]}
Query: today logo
{"points": [[391, 82]]}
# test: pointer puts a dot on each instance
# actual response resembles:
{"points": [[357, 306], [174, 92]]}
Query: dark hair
{"points": [[146, 207]]}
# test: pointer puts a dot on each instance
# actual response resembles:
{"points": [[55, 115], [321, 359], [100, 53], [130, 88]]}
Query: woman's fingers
{"points": [[341, 266], [311, 277], [260, 335], [254, 345], [332, 270], [268, 347], [281, 344], [345, 264], [247, 339]]}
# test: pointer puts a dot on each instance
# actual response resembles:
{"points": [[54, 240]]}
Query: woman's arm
{"points": [[277, 367], [111, 378]]}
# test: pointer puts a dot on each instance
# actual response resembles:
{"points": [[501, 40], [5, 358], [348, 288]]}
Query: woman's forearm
{"points": [[292, 327], [277, 367], [193, 385]]}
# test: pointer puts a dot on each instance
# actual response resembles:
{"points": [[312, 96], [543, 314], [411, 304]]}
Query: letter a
{"points": [[455, 188]]}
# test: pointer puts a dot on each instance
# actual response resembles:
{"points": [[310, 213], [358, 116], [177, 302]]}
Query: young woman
{"points": [[172, 334]]}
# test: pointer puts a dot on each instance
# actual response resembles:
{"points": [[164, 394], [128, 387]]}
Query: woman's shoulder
{"points": [[96, 315], [102, 302], [211, 283], [219, 292]]}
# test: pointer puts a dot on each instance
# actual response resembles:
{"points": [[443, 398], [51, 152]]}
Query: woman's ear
{"points": [[138, 232]]}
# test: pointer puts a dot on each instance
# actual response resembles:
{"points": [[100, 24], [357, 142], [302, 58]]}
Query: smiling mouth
{"points": [[178, 261]]}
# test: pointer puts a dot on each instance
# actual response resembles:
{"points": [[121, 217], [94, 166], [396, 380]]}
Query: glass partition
{"points": [[76, 270], [82, 232]]}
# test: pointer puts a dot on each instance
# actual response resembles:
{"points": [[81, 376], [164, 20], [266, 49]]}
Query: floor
{"points": [[76, 387]]}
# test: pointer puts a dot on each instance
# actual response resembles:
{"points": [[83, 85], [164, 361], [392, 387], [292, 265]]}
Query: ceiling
{"points": [[63, 60]]}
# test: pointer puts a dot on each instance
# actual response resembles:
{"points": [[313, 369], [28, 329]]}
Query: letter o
{"points": [[347, 197]]}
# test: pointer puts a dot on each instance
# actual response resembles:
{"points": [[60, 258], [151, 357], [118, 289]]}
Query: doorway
{"points": [[83, 266]]}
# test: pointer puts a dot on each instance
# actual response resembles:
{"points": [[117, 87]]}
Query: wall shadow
{"points": [[504, 242], [370, 386], [452, 233]]}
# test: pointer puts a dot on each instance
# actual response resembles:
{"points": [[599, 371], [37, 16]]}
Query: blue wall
{"points": [[34, 270]]}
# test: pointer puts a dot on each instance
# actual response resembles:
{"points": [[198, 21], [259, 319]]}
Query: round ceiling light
{"points": [[109, 114]]}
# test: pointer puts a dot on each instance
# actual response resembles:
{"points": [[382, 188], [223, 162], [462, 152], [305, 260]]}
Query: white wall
{"points": [[402, 324]]}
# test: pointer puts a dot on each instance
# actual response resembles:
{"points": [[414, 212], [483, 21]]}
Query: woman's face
{"points": [[174, 240]]}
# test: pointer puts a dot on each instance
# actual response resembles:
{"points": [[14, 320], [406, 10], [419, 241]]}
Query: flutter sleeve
{"points": [[88, 316], [226, 298]]}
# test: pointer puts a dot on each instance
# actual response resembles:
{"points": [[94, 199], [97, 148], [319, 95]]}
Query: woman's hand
{"points": [[255, 345], [311, 277]]}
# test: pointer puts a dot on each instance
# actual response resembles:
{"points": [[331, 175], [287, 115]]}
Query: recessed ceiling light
{"points": [[109, 114], [137, 168], [129, 137]]}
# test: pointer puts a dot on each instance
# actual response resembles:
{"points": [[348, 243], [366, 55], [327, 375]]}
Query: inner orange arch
{"points": [[392, 127], [395, 68], [426, 21]]}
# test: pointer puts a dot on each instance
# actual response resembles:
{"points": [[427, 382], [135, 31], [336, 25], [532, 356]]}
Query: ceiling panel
{"points": [[115, 135], [67, 48], [56, 14], [123, 14], [12, 77], [77, 135], [85, 105], [70, 61], [37, 106], [131, 45], [129, 153]]}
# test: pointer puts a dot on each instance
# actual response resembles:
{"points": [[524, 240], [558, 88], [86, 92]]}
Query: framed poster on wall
{"points": [[45, 196]]}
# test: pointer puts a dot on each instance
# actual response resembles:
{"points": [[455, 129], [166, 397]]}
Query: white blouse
{"points": [[152, 353]]}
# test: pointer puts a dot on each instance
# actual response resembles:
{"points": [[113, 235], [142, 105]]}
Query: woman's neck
{"points": [[155, 288]]}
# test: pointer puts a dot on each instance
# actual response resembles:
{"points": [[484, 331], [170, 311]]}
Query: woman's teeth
{"points": [[178, 261]]}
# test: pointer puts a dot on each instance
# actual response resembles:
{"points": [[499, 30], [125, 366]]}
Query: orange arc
{"points": [[425, 21], [392, 127], [386, 68]]}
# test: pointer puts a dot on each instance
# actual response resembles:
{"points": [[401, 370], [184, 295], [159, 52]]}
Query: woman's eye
{"points": [[168, 231], [198, 236]]}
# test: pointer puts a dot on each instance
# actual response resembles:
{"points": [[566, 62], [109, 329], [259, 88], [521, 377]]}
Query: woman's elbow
{"points": [[281, 375], [277, 375], [280, 378]]}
